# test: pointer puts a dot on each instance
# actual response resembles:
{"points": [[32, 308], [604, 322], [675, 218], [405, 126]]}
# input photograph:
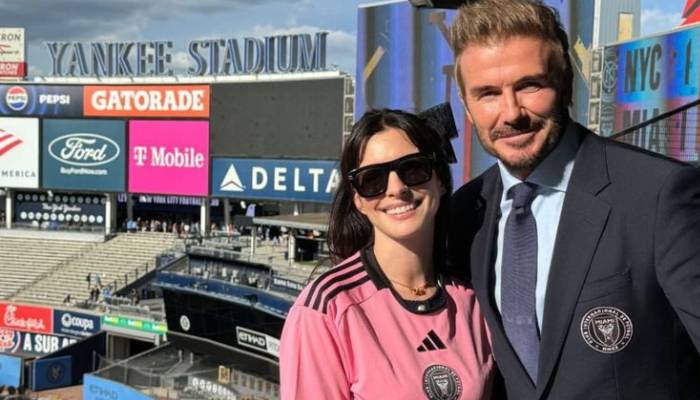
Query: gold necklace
{"points": [[418, 290]]}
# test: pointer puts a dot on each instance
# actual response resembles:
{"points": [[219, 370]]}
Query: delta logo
{"points": [[8, 141], [17, 98]]}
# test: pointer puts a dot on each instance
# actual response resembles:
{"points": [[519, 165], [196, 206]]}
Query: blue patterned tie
{"points": [[519, 278]]}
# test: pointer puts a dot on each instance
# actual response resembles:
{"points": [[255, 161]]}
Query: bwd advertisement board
{"points": [[169, 157], [10, 370], [41, 100], [19, 152], [291, 180], [84, 155]]}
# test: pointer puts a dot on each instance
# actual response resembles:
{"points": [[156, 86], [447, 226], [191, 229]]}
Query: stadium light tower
{"points": [[437, 3]]}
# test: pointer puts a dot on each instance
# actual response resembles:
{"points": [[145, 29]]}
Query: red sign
{"points": [[691, 12], [15, 69], [184, 101], [26, 318]]}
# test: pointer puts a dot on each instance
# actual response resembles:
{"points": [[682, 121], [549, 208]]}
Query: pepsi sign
{"points": [[41, 100], [290, 180], [84, 155]]}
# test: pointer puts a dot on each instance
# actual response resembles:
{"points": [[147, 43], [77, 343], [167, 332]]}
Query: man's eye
{"points": [[530, 87]]}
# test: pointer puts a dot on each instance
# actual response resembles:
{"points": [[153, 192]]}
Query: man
{"points": [[584, 252]]}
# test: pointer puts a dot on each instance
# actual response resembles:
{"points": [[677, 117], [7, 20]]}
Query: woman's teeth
{"points": [[400, 210]]}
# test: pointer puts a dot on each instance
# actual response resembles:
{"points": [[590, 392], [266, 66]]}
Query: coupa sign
{"points": [[84, 155], [75, 324], [291, 180]]}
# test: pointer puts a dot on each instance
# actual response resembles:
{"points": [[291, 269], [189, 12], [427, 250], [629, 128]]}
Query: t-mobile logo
{"points": [[163, 157]]}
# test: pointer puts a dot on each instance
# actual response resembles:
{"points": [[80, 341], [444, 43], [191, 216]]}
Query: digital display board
{"points": [[644, 78], [282, 119]]}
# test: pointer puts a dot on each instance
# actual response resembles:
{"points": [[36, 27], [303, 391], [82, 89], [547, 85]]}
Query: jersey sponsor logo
{"points": [[16, 98], [606, 329], [441, 382], [431, 342]]}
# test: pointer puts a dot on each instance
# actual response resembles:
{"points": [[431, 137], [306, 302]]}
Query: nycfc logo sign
{"points": [[606, 329], [84, 149], [441, 383]]}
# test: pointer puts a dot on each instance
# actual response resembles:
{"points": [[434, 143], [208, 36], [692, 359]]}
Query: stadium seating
{"points": [[117, 262]]}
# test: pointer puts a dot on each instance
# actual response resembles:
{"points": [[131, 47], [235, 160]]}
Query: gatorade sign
{"points": [[185, 101], [291, 180]]}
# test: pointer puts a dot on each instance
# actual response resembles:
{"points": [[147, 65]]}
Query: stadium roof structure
{"points": [[310, 221]]}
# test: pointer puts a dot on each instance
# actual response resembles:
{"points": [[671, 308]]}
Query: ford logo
{"points": [[84, 149]]}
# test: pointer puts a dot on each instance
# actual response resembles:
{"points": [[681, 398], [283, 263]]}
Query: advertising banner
{"points": [[59, 210], [71, 323], [12, 341], [51, 373], [84, 155], [26, 318], [95, 388], [183, 101], [41, 100], [258, 341], [12, 53], [19, 153], [118, 321], [648, 77], [10, 370], [169, 157], [292, 180]]}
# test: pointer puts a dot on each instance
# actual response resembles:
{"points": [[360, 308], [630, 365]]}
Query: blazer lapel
{"points": [[581, 225]]}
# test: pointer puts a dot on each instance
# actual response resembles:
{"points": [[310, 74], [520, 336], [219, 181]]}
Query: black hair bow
{"points": [[440, 119]]}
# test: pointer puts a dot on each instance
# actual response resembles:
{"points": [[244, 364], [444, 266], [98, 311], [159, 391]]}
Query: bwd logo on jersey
{"points": [[16, 98]]}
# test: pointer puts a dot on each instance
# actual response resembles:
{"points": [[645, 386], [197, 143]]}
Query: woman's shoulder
{"points": [[337, 282]]}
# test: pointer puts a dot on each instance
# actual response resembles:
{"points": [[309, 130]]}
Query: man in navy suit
{"points": [[584, 252]]}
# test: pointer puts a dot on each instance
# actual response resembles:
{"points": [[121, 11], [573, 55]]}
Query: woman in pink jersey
{"points": [[384, 323]]}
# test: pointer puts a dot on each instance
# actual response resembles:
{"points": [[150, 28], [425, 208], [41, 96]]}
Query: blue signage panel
{"points": [[75, 324], [51, 373], [95, 388], [84, 155], [291, 180], [10, 370], [41, 100]]}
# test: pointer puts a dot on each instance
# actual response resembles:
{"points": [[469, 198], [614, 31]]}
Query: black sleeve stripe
{"points": [[343, 265], [339, 289], [334, 280], [436, 339]]}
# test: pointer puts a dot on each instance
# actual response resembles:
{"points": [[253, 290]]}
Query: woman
{"points": [[384, 323]]}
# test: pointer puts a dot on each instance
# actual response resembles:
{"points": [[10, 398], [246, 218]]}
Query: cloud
{"points": [[341, 45], [74, 20], [655, 20]]}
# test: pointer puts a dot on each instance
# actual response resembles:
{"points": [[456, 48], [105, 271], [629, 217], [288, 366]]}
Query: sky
{"points": [[181, 21]]}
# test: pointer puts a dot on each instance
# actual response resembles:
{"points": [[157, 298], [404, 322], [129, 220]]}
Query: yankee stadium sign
{"points": [[272, 54]]}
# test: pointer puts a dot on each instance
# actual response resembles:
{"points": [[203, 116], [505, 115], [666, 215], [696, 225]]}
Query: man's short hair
{"points": [[486, 22]]}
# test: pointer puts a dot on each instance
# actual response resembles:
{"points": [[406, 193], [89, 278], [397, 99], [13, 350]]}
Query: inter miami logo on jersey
{"points": [[441, 383]]}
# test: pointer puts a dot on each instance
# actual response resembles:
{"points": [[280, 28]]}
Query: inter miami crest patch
{"points": [[606, 329], [441, 383]]}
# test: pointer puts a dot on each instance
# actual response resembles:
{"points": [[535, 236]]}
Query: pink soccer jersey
{"points": [[350, 336]]}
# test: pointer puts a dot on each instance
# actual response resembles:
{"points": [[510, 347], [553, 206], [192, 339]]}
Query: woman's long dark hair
{"points": [[349, 230]]}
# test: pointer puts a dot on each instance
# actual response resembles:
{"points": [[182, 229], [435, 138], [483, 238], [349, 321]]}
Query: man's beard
{"points": [[528, 162]]}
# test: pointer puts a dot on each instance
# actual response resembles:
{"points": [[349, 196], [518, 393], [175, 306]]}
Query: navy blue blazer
{"points": [[622, 308]]}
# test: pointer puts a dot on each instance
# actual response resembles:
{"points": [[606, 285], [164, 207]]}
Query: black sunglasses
{"points": [[413, 169]]}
